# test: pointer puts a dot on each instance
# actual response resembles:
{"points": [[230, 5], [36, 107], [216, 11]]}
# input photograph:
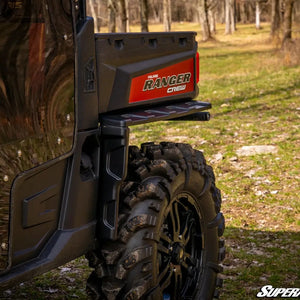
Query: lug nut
{"points": [[4, 246]]}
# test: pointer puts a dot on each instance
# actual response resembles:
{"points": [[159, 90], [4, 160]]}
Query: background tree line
{"points": [[117, 15]]}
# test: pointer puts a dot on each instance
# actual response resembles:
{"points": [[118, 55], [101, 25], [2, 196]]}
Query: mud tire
{"points": [[170, 225]]}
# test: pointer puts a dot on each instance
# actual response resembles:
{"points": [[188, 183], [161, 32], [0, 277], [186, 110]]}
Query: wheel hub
{"points": [[177, 253], [180, 249]]}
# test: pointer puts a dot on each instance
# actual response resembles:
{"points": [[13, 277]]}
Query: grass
{"points": [[256, 101]]}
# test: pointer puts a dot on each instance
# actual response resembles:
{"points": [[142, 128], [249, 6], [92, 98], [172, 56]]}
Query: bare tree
{"points": [[167, 14], [112, 13], [297, 12], [257, 15], [230, 26], [116, 13], [98, 12], [220, 11], [243, 11], [204, 19], [124, 25], [212, 11], [170, 12], [275, 17], [288, 19], [127, 15], [233, 15], [144, 12], [212, 21], [92, 11]]}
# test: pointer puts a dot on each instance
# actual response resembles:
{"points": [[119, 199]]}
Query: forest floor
{"points": [[255, 92]]}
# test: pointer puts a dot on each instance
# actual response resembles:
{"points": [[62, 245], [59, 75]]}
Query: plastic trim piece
{"points": [[114, 153], [159, 113]]}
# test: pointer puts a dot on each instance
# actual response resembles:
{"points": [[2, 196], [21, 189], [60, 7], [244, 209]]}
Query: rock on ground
{"points": [[253, 150]]}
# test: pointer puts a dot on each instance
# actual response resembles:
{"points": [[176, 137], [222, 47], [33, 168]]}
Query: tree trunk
{"points": [[243, 12], [98, 15], [212, 21], [203, 16], [232, 15], [275, 17], [296, 16], [220, 12], [249, 12], [212, 11], [93, 13], [230, 26], [288, 13], [166, 15], [144, 12], [170, 12], [127, 15], [227, 17], [282, 10], [123, 16], [112, 12], [237, 11], [257, 15]]}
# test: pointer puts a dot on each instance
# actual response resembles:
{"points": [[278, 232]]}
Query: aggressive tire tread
{"points": [[123, 268]]}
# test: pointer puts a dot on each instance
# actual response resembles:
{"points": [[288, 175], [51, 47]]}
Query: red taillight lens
{"points": [[197, 67]]}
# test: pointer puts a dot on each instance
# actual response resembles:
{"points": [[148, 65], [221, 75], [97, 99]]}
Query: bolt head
{"points": [[4, 246]]}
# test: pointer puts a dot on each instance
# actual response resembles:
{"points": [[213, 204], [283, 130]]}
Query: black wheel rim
{"points": [[179, 249]]}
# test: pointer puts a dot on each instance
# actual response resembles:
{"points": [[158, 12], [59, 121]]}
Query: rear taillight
{"points": [[197, 67]]}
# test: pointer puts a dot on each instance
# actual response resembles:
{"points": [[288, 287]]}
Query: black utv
{"points": [[148, 219]]}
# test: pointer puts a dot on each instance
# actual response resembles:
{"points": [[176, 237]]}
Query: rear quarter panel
{"points": [[125, 62]]}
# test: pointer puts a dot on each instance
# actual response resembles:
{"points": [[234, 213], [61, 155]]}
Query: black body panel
{"points": [[87, 116], [36, 200], [63, 246]]}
